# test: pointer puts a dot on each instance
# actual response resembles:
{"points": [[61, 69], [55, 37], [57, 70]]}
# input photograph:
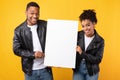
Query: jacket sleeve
{"points": [[94, 59], [17, 47]]}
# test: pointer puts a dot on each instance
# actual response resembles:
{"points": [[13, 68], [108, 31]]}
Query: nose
{"points": [[85, 27], [35, 15]]}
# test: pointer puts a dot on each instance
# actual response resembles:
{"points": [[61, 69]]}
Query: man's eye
{"points": [[32, 13]]}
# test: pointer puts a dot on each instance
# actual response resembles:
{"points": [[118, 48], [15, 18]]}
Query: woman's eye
{"points": [[88, 24]]}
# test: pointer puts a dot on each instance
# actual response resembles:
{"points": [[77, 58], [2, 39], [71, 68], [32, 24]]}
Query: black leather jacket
{"points": [[93, 55], [22, 43]]}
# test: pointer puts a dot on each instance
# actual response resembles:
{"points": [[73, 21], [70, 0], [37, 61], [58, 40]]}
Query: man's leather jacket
{"points": [[22, 44]]}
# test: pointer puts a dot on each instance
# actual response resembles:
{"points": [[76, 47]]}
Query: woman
{"points": [[90, 47]]}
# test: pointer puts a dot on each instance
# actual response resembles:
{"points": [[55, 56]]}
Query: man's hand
{"points": [[39, 54]]}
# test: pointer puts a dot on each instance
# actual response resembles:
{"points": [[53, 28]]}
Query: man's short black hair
{"points": [[88, 14], [34, 4]]}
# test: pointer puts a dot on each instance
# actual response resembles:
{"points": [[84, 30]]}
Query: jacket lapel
{"points": [[81, 41], [28, 34], [91, 45], [39, 31], [94, 42]]}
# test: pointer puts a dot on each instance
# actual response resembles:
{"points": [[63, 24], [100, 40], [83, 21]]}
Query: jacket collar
{"points": [[92, 45], [25, 24]]}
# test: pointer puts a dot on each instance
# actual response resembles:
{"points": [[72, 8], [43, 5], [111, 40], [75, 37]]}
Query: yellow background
{"points": [[12, 13]]}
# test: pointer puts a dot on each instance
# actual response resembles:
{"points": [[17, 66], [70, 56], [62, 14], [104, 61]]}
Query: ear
{"points": [[94, 23], [25, 12]]}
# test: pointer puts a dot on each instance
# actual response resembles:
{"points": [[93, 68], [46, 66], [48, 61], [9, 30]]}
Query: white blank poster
{"points": [[61, 41]]}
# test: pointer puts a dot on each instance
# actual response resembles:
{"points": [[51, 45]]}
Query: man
{"points": [[29, 44]]}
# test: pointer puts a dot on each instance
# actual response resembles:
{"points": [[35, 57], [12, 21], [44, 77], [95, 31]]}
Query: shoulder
{"points": [[20, 26], [80, 33], [99, 38], [43, 22]]}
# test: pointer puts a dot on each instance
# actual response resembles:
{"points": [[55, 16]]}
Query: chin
{"points": [[34, 23], [87, 35]]}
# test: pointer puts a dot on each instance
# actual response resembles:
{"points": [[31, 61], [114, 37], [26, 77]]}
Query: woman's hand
{"points": [[79, 50]]}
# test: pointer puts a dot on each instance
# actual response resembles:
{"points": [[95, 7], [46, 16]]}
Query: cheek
{"points": [[29, 15], [83, 29], [92, 28]]}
